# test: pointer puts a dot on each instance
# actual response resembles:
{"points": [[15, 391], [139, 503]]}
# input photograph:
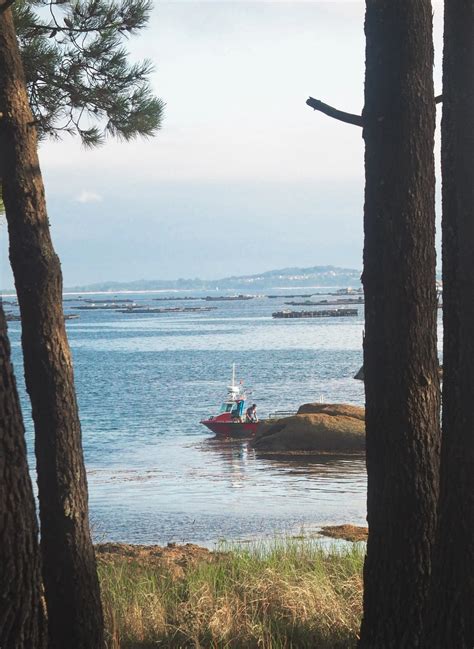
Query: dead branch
{"points": [[348, 118]]}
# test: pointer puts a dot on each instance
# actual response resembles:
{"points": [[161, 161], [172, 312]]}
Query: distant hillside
{"points": [[324, 276]]}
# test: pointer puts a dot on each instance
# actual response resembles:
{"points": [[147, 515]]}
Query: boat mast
{"points": [[233, 391]]}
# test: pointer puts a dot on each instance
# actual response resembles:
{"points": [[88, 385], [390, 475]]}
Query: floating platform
{"points": [[104, 306], [323, 313], [175, 299], [14, 317], [228, 298], [175, 309], [113, 301], [340, 302], [273, 297]]}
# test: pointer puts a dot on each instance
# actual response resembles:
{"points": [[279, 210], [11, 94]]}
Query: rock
{"points": [[316, 428], [360, 374], [334, 409], [352, 533]]}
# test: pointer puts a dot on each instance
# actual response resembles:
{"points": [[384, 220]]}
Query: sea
{"points": [[145, 380]]}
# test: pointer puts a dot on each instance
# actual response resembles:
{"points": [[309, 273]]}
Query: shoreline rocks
{"points": [[316, 428], [353, 533]]}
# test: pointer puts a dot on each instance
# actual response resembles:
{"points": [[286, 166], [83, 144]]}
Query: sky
{"points": [[243, 177]]}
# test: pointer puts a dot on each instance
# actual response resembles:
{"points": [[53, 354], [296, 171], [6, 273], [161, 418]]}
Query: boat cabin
{"points": [[235, 408]]}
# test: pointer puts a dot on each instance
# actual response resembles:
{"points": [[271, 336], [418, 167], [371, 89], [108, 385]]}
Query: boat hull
{"points": [[231, 429]]}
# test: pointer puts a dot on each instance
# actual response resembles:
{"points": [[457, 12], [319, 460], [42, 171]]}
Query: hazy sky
{"points": [[243, 177]]}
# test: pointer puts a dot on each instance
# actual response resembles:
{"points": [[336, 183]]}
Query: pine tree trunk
{"points": [[450, 619], [400, 356], [69, 569], [22, 620]]}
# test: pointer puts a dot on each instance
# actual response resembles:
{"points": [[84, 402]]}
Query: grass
{"points": [[291, 594]]}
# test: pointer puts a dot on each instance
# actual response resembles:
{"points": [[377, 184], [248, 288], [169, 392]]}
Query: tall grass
{"points": [[291, 594]]}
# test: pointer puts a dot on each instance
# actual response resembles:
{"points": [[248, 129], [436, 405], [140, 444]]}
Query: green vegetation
{"points": [[79, 77], [291, 594]]}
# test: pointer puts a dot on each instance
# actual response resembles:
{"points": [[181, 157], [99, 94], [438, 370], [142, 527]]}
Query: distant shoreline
{"points": [[12, 293], [290, 278]]}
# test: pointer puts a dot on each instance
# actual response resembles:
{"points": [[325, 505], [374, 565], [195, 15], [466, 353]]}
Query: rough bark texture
{"points": [[450, 619], [400, 358], [69, 569], [22, 621]]}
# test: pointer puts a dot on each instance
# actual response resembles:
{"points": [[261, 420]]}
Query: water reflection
{"points": [[234, 452], [340, 472], [235, 456]]}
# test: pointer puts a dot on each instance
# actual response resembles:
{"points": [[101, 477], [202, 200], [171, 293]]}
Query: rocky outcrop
{"points": [[316, 428], [360, 374], [352, 533], [332, 409]]}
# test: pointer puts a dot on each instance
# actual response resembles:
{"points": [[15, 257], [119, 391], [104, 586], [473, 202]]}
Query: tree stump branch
{"points": [[342, 116]]}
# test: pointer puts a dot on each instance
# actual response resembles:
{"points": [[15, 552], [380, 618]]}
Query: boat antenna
{"points": [[233, 375]]}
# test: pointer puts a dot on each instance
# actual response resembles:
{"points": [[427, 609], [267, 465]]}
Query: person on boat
{"points": [[236, 414], [251, 414]]}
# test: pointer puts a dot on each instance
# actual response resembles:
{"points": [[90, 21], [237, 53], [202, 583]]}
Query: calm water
{"points": [[145, 380]]}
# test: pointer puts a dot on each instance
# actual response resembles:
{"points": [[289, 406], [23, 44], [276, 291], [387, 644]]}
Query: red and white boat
{"points": [[231, 420]]}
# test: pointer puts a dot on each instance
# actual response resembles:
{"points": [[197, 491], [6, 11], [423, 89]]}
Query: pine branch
{"points": [[79, 78]]}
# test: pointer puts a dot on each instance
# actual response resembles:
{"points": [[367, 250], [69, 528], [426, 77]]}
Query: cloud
{"points": [[88, 197]]}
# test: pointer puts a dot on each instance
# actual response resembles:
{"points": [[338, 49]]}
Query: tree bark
{"points": [[69, 569], [450, 619], [22, 619], [400, 357]]}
